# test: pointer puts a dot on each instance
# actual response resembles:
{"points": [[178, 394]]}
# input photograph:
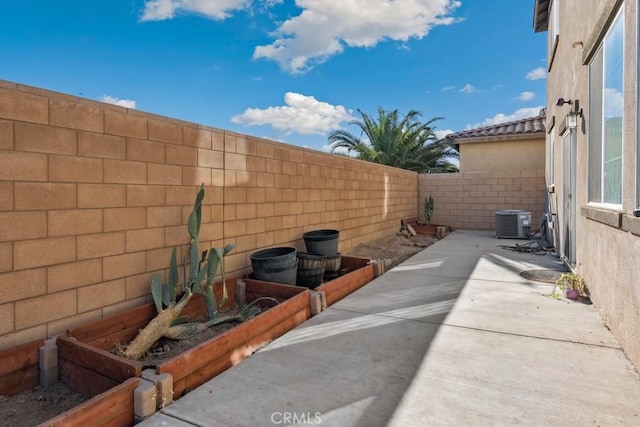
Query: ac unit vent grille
{"points": [[513, 224]]}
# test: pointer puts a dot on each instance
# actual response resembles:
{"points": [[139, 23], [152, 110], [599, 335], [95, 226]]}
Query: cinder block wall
{"points": [[93, 197], [470, 200]]}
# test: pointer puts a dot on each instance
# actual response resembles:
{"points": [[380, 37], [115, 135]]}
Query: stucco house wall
{"points": [[506, 155], [607, 239]]}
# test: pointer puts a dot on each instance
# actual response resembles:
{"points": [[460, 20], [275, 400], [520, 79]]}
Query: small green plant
{"points": [[569, 281], [428, 209], [202, 272], [165, 293]]}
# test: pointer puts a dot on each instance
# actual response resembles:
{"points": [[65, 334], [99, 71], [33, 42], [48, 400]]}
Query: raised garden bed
{"points": [[358, 272], [19, 370], [114, 407], [355, 272], [88, 366], [431, 229], [209, 359], [19, 373]]}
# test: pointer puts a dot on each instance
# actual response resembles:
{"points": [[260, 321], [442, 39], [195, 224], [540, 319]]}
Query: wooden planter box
{"points": [[19, 368], [209, 359], [87, 366], [114, 407], [430, 230], [342, 286], [19, 372], [338, 288]]}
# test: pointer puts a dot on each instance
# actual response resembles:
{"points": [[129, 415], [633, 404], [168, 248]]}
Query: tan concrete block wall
{"points": [[93, 197], [470, 200]]}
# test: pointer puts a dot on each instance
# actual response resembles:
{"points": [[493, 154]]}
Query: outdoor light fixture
{"points": [[571, 120], [560, 102]]}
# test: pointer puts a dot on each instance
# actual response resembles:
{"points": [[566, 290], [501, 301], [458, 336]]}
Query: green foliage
{"points": [[429, 204], [201, 276], [569, 281], [400, 142], [165, 293]]}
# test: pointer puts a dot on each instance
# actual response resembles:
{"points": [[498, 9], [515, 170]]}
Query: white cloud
{"points": [[537, 74], [447, 88], [526, 96], [468, 88], [127, 103], [522, 113], [302, 114], [442, 133], [159, 10], [613, 102], [325, 27]]}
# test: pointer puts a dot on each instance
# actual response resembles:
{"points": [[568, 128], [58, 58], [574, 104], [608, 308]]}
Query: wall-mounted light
{"points": [[571, 120], [560, 102]]}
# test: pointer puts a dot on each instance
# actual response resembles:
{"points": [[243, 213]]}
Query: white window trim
{"points": [[552, 156], [555, 13]]}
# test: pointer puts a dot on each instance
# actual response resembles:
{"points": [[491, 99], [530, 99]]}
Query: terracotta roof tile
{"points": [[531, 125]]}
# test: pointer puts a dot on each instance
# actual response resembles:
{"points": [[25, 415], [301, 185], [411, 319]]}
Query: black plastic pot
{"points": [[277, 265], [322, 242]]}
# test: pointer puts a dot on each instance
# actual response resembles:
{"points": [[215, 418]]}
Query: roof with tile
{"points": [[540, 15], [532, 127]]}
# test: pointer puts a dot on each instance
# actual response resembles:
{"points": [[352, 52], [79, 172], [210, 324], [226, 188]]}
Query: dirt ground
{"points": [[393, 249], [35, 406]]}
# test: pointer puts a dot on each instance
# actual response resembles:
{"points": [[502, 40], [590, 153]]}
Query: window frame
{"points": [[600, 53], [552, 163]]}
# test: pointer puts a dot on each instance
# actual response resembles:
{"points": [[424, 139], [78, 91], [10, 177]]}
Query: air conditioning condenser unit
{"points": [[513, 224]]}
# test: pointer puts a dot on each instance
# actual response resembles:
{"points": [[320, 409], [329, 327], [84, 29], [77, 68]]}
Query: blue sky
{"points": [[282, 69]]}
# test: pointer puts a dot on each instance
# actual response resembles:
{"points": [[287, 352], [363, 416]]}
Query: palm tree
{"points": [[404, 143]]}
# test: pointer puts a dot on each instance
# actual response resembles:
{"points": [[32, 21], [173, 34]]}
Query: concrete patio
{"points": [[452, 336]]}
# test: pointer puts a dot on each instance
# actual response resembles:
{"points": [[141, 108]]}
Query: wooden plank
{"points": [[19, 357], [231, 358], [276, 290], [82, 380], [114, 407], [354, 262], [180, 366], [128, 320], [19, 381], [342, 286], [97, 360]]}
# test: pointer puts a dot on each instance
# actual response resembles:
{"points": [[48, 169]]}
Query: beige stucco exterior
{"points": [[607, 239], [505, 155]]}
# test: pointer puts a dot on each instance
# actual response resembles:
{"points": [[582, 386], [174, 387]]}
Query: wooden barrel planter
{"points": [[359, 272]]}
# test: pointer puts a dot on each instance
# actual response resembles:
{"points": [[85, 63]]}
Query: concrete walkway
{"points": [[453, 336]]}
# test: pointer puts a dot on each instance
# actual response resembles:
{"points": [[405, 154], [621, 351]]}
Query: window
{"points": [[552, 148], [606, 100], [555, 16]]}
